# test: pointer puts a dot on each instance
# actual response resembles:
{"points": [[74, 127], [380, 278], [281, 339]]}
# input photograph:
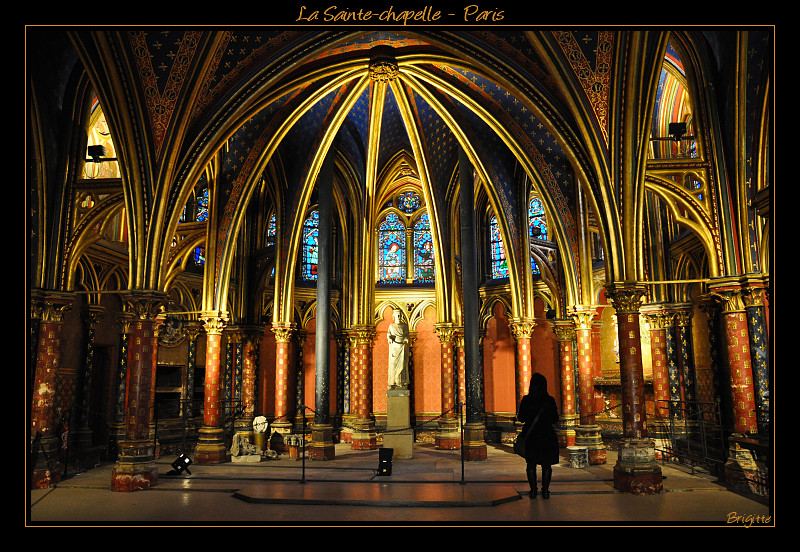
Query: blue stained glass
{"points": [[201, 206], [536, 219], [496, 251], [392, 250], [423, 250], [272, 228], [200, 255], [310, 242], [537, 227], [408, 202]]}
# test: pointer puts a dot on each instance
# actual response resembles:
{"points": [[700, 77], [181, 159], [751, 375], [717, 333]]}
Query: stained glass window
{"points": [[272, 229], [423, 250], [408, 202], [200, 255], [537, 226], [391, 250], [310, 242], [497, 252], [201, 205]]}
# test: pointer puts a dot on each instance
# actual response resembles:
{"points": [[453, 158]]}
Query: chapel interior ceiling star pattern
{"points": [[164, 56]]}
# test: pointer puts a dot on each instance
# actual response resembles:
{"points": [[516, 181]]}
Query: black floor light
{"points": [[180, 464], [385, 461]]}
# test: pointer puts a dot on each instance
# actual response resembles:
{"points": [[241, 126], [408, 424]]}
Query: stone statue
{"points": [[242, 447], [398, 338]]}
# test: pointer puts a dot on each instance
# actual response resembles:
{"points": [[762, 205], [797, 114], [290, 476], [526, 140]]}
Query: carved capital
{"points": [[658, 318], [522, 328], [683, 315], [143, 305], [626, 298], [447, 333], [50, 306], [730, 300], [563, 329], [361, 335], [283, 334], [754, 297], [214, 322], [583, 317]]}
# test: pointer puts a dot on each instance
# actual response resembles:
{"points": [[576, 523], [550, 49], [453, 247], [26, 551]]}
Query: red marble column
{"points": [[636, 470], [135, 468], [737, 340], [249, 375], [44, 437], [460, 364], [447, 435], [565, 333], [363, 437], [659, 320], [283, 371], [447, 336], [211, 445], [522, 330], [583, 337]]}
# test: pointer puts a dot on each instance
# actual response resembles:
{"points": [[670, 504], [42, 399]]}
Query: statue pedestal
{"points": [[399, 436]]}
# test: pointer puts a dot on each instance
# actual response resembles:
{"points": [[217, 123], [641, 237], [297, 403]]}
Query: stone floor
{"points": [[432, 488]]}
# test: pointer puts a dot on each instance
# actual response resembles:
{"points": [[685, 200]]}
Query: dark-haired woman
{"points": [[538, 413]]}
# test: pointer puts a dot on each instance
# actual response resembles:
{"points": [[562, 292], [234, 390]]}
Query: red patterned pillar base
{"points": [[363, 441], [589, 436], [638, 483], [474, 442], [447, 435], [447, 443], [321, 446], [127, 477], [637, 471], [210, 446]]}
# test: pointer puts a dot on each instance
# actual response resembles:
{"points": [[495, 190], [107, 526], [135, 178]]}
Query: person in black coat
{"points": [[538, 413]]}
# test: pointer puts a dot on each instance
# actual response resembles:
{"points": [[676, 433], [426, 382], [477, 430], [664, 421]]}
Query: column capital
{"points": [[447, 332], [144, 304], [563, 328], [659, 316], [214, 321], [50, 306], [522, 328], [626, 297], [583, 316], [729, 299], [283, 333], [360, 335]]}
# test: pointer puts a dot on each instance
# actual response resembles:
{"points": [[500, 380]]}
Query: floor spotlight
{"points": [[385, 461], [180, 464]]}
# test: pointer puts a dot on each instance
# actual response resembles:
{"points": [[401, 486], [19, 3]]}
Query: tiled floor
{"points": [[432, 488]]}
